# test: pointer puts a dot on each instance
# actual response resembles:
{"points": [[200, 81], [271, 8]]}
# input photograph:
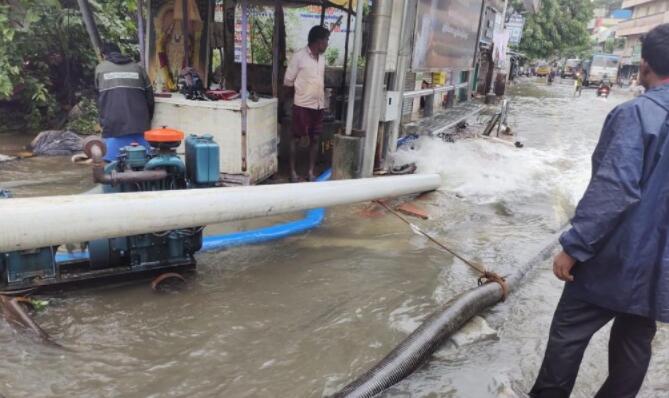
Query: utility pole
{"points": [[374, 81], [403, 58]]}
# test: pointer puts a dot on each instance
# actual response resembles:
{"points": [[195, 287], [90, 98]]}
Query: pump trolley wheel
{"points": [[168, 281]]}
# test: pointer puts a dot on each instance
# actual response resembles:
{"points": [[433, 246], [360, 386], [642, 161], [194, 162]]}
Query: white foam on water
{"points": [[487, 171], [408, 316]]}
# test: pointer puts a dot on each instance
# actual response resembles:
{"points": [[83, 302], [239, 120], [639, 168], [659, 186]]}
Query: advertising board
{"points": [[446, 32]]}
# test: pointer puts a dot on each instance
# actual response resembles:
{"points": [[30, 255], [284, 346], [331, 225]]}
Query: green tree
{"points": [[558, 29], [331, 55], [262, 31], [46, 60]]}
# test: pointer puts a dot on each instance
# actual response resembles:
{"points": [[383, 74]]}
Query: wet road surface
{"points": [[303, 316]]}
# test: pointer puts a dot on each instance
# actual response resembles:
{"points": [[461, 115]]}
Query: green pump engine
{"points": [[136, 168]]}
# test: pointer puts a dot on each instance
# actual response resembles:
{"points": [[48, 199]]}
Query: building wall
{"points": [[645, 16]]}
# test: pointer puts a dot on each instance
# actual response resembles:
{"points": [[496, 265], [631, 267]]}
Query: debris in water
{"points": [[56, 143], [412, 210], [168, 281], [14, 311], [39, 305], [474, 331]]}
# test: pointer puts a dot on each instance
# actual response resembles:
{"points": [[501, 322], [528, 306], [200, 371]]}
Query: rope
{"points": [[486, 276]]}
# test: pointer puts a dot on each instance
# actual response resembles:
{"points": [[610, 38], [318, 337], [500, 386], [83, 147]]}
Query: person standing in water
{"points": [[305, 76], [614, 260], [578, 85], [125, 100]]}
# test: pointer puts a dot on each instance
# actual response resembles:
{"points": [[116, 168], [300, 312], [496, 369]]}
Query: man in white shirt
{"points": [[306, 76]]}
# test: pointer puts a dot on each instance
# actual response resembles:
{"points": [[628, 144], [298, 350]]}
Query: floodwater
{"points": [[303, 316]]}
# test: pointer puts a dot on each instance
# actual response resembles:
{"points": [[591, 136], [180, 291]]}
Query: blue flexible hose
{"points": [[312, 219]]}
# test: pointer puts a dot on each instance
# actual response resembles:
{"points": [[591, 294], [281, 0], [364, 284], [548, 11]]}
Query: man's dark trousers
{"points": [[573, 325]]}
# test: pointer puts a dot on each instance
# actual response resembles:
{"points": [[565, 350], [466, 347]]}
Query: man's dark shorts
{"points": [[307, 121]]}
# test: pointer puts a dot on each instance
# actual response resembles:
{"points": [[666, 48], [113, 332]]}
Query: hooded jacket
{"points": [[125, 96], [620, 231]]}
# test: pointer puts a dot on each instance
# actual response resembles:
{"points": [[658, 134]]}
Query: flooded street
{"points": [[302, 317]]}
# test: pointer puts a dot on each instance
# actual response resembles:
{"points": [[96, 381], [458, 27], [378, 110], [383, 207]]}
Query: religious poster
{"points": [[168, 42]]}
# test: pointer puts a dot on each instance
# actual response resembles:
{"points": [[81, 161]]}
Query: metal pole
{"points": [[478, 34], [342, 87], [348, 35], [323, 12], [141, 33], [186, 33], [403, 57], [91, 27], [494, 64], [374, 80], [353, 81], [245, 94], [275, 50], [29, 223]]}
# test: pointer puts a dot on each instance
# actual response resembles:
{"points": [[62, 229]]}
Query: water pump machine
{"points": [[137, 168]]}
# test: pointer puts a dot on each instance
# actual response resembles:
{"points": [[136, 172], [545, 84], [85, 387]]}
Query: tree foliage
{"points": [[262, 31], [558, 29], [46, 59]]}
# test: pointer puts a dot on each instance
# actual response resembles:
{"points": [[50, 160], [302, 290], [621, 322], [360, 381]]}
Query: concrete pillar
{"points": [[403, 57], [347, 156]]}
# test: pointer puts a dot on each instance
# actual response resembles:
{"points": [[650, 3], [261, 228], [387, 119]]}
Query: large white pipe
{"points": [[44, 221]]}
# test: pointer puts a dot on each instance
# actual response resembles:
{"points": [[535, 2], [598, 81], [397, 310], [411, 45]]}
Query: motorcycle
{"points": [[603, 91]]}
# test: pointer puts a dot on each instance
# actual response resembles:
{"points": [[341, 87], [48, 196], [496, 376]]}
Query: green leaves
{"points": [[560, 25], [46, 59]]}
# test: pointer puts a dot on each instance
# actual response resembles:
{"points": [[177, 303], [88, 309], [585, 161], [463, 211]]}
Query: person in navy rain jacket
{"points": [[615, 258]]}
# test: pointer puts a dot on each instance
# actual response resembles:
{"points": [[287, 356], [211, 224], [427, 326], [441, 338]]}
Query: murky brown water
{"points": [[303, 316], [49, 175]]}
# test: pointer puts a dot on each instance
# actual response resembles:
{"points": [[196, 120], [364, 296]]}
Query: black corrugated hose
{"points": [[424, 341]]}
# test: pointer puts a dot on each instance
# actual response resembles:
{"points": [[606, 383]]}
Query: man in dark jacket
{"points": [[125, 100], [615, 258]]}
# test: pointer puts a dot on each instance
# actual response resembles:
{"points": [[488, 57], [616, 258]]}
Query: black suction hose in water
{"points": [[424, 341]]}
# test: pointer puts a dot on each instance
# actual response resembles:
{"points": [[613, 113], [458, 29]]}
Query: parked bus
{"points": [[601, 66]]}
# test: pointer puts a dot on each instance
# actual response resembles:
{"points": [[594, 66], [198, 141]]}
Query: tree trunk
{"points": [[91, 27]]}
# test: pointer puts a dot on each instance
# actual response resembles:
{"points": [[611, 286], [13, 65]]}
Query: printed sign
{"points": [[515, 27], [446, 32]]}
